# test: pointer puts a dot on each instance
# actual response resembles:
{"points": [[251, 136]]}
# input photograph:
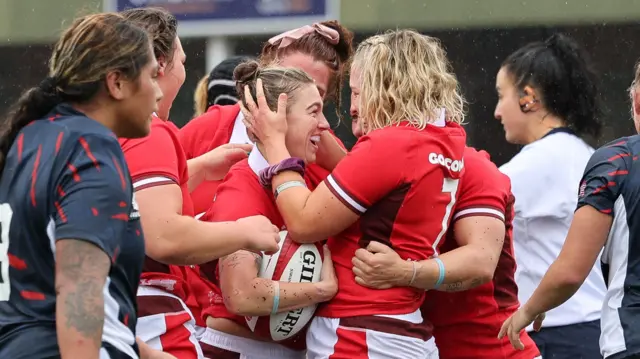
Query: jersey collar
{"points": [[257, 162]]}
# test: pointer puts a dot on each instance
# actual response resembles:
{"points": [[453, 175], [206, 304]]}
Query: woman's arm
{"points": [[470, 265], [587, 235], [329, 151], [245, 293], [81, 272], [313, 216], [214, 165], [183, 240]]}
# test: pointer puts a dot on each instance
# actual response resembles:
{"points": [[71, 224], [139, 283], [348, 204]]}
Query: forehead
{"points": [[354, 77], [317, 70], [307, 95], [179, 50]]}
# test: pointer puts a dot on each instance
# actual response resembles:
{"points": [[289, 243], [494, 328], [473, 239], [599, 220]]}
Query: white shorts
{"points": [[165, 323], [373, 337], [216, 344]]}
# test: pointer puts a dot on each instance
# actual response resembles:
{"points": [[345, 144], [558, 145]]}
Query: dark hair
{"points": [[218, 87], [564, 79], [336, 56], [275, 80], [87, 51], [162, 27]]}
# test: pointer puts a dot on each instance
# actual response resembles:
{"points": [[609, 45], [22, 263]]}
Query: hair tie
{"points": [[287, 38], [49, 85]]}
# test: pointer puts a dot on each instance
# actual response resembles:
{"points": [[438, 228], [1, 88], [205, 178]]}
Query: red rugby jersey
{"points": [[216, 127], [466, 324], [402, 182], [240, 195], [157, 160]]}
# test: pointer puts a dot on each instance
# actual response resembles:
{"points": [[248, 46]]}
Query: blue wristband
{"points": [[440, 272], [276, 298]]}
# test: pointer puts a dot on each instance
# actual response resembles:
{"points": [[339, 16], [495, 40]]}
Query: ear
{"points": [[528, 100], [636, 103], [117, 85], [162, 66]]}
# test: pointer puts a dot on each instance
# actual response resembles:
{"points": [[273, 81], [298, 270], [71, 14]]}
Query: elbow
{"points": [[241, 304], [302, 234], [485, 269], [164, 251]]}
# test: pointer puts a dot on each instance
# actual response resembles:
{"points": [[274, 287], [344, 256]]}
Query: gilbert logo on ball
{"points": [[295, 263]]}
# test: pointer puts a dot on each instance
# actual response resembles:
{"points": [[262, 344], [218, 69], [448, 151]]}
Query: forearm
{"points": [[329, 152], [79, 322], [257, 299], [196, 173], [183, 240], [81, 272], [554, 289], [465, 268]]}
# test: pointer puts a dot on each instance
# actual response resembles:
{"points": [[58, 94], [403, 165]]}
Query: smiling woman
{"points": [[244, 293]]}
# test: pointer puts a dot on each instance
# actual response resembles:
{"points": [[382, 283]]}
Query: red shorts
{"points": [[370, 337], [218, 345], [479, 340], [165, 323]]}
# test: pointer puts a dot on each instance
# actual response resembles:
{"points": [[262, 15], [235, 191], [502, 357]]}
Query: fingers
{"points": [[504, 328], [362, 282], [326, 252], [282, 103], [360, 265], [365, 256], [247, 147], [377, 247], [234, 155], [248, 98]]}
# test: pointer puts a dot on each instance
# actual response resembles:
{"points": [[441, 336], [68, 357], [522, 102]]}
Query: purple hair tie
{"points": [[290, 164]]}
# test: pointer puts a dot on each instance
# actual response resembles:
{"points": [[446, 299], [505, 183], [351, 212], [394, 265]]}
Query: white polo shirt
{"points": [[545, 177]]}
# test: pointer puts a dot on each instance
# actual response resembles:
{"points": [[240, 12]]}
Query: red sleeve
{"points": [[359, 181], [192, 136], [484, 190], [152, 160], [238, 196]]}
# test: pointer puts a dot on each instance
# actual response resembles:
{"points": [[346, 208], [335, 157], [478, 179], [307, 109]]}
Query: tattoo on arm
{"points": [[81, 271], [462, 285]]}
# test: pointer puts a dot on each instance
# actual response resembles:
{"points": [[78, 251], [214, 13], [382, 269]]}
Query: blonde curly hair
{"points": [[406, 77]]}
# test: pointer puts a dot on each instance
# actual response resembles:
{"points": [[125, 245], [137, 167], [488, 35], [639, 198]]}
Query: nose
{"points": [[353, 109], [158, 92], [323, 124], [497, 113]]}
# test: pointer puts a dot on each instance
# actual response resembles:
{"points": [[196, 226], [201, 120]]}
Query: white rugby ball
{"points": [[296, 263]]}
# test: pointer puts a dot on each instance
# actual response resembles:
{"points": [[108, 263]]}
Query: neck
{"points": [[98, 114], [544, 126]]}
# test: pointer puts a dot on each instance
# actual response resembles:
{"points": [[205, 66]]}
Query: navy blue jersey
{"points": [[611, 184], [65, 177]]}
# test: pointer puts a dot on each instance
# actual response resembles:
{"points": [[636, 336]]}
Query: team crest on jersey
{"points": [[134, 214]]}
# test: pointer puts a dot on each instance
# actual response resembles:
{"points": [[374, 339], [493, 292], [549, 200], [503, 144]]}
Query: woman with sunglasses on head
{"points": [[547, 98], [409, 158], [71, 241]]}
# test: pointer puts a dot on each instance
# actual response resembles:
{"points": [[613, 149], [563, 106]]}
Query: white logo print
{"points": [[448, 163], [134, 214]]}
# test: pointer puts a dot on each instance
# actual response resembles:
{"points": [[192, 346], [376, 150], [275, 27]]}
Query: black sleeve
{"points": [[94, 195], [603, 177]]}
